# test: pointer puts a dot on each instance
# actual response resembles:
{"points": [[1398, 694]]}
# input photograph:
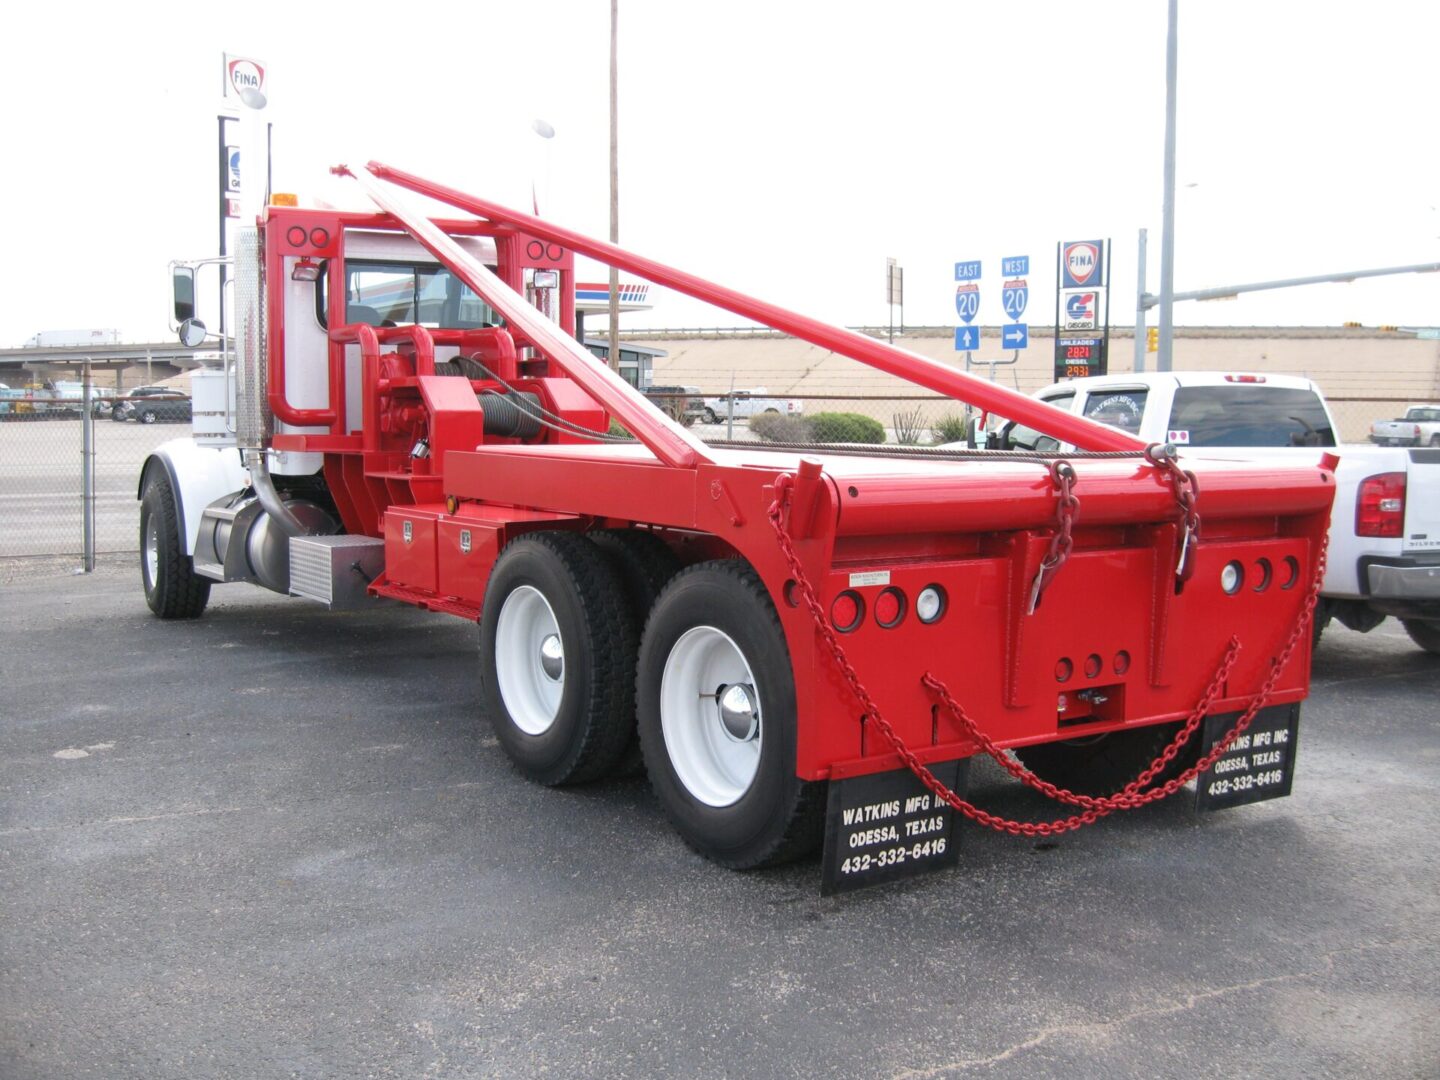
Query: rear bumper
{"points": [[1404, 586]]}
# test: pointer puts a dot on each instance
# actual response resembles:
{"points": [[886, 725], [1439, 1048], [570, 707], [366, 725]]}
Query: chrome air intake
{"points": [[253, 422]]}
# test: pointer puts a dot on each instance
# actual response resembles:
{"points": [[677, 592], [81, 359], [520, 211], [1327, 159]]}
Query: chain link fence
{"points": [[928, 419], [52, 450], [45, 450]]}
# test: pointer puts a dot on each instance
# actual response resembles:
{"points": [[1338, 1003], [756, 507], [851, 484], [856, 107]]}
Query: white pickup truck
{"points": [[1420, 426], [1384, 556], [743, 404]]}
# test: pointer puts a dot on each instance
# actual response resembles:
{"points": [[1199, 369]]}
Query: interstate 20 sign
{"points": [[1080, 263]]}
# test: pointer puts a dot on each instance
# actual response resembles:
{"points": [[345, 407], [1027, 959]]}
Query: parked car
{"points": [[66, 398], [153, 405], [1420, 426], [743, 404], [680, 403]]}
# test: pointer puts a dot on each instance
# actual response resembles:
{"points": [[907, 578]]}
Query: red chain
{"points": [[1129, 798], [1186, 486], [1067, 509]]}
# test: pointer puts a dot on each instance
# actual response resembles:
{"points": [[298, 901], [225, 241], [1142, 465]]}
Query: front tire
{"points": [[1424, 632], [710, 417], [148, 417], [717, 719], [557, 659], [173, 589]]}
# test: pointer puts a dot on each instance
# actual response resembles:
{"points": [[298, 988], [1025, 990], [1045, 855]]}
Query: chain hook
{"points": [[1067, 510]]}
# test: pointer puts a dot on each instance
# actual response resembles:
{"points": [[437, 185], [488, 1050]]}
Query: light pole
{"points": [[614, 349], [546, 132], [1165, 357]]}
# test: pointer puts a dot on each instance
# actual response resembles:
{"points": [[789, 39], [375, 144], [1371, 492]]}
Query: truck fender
{"points": [[198, 475]]}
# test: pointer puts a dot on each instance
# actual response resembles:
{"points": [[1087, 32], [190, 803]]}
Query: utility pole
{"points": [[1164, 360], [614, 350], [1140, 305]]}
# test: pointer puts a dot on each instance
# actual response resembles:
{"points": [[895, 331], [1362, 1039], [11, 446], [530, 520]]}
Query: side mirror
{"points": [[182, 280], [192, 332], [975, 437]]}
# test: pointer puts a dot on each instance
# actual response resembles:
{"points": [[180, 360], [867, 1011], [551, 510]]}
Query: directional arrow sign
{"points": [[1015, 336], [967, 338]]}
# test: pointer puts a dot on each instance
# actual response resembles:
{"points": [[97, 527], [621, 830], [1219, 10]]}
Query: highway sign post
{"points": [[967, 306], [1014, 296]]}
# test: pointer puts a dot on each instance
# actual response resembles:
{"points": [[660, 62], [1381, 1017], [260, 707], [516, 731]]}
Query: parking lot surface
{"points": [[282, 842]]}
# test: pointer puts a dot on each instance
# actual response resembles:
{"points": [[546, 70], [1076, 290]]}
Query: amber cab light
{"points": [[1380, 506]]}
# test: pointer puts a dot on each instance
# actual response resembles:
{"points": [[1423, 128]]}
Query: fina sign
{"points": [[245, 79], [1080, 261]]}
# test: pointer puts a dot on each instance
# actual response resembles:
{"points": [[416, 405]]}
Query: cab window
{"points": [[1246, 414], [403, 294], [1119, 408]]}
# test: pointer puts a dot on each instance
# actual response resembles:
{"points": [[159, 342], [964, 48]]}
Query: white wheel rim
{"points": [[152, 551], [529, 660], [714, 762]]}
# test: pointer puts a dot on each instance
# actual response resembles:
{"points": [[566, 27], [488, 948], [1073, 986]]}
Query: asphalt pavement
{"points": [[281, 842]]}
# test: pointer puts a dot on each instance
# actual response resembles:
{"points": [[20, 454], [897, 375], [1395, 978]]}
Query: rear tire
{"points": [[172, 588], [1320, 620], [557, 658], [726, 779], [1103, 764], [644, 564], [1424, 632]]}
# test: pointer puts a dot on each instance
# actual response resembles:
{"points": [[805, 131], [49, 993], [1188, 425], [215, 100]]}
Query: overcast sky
{"points": [[781, 148]]}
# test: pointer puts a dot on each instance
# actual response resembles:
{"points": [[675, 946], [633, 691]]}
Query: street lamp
{"points": [[543, 129]]}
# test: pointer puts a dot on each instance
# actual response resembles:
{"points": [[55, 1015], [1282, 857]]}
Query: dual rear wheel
{"points": [[570, 676]]}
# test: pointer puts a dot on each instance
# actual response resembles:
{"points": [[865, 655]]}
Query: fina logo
{"points": [[1081, 262], [247, 79]]}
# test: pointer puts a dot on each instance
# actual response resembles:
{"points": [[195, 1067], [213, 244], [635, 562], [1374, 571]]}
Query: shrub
{"points": [[773, 427], [949, 428], [846, 427], [908, 426], [616, 428]]}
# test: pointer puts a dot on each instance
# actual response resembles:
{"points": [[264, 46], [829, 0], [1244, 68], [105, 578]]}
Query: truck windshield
{"points": [[401, 294], [1250, 414]]}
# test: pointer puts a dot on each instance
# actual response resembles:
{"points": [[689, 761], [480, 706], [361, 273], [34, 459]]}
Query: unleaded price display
{"points": [[1259, 765], [1075, 358], [887, 826]]}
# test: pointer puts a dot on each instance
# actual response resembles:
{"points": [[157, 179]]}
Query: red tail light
{"points": [[1380, 506]]}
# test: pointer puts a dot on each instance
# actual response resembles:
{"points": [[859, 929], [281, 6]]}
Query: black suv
{"points": [[153, 405]]}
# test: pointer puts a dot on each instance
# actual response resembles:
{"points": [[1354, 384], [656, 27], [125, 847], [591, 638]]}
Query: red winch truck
{"points": [[805, 642]]}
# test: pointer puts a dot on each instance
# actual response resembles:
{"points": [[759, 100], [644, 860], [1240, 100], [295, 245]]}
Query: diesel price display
{"points": [[1076, 358]]}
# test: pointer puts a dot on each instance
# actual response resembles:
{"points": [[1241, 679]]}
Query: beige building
{"points": [[1367, 374]]}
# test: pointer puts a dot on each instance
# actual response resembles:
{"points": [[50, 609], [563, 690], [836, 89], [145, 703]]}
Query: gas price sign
{"points": [[1076, 358]]}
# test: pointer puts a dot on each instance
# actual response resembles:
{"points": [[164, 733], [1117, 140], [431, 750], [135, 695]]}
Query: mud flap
{"points": [[887, 826], [1259, 765]]}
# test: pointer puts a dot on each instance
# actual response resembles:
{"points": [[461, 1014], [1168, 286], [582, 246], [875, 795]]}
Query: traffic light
{"points": [[1152, 339]]}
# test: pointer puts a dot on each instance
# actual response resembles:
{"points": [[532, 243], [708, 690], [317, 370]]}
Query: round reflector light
{"points": [[1232, 577], [930, 604], [890, 608], [846, 611]]}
